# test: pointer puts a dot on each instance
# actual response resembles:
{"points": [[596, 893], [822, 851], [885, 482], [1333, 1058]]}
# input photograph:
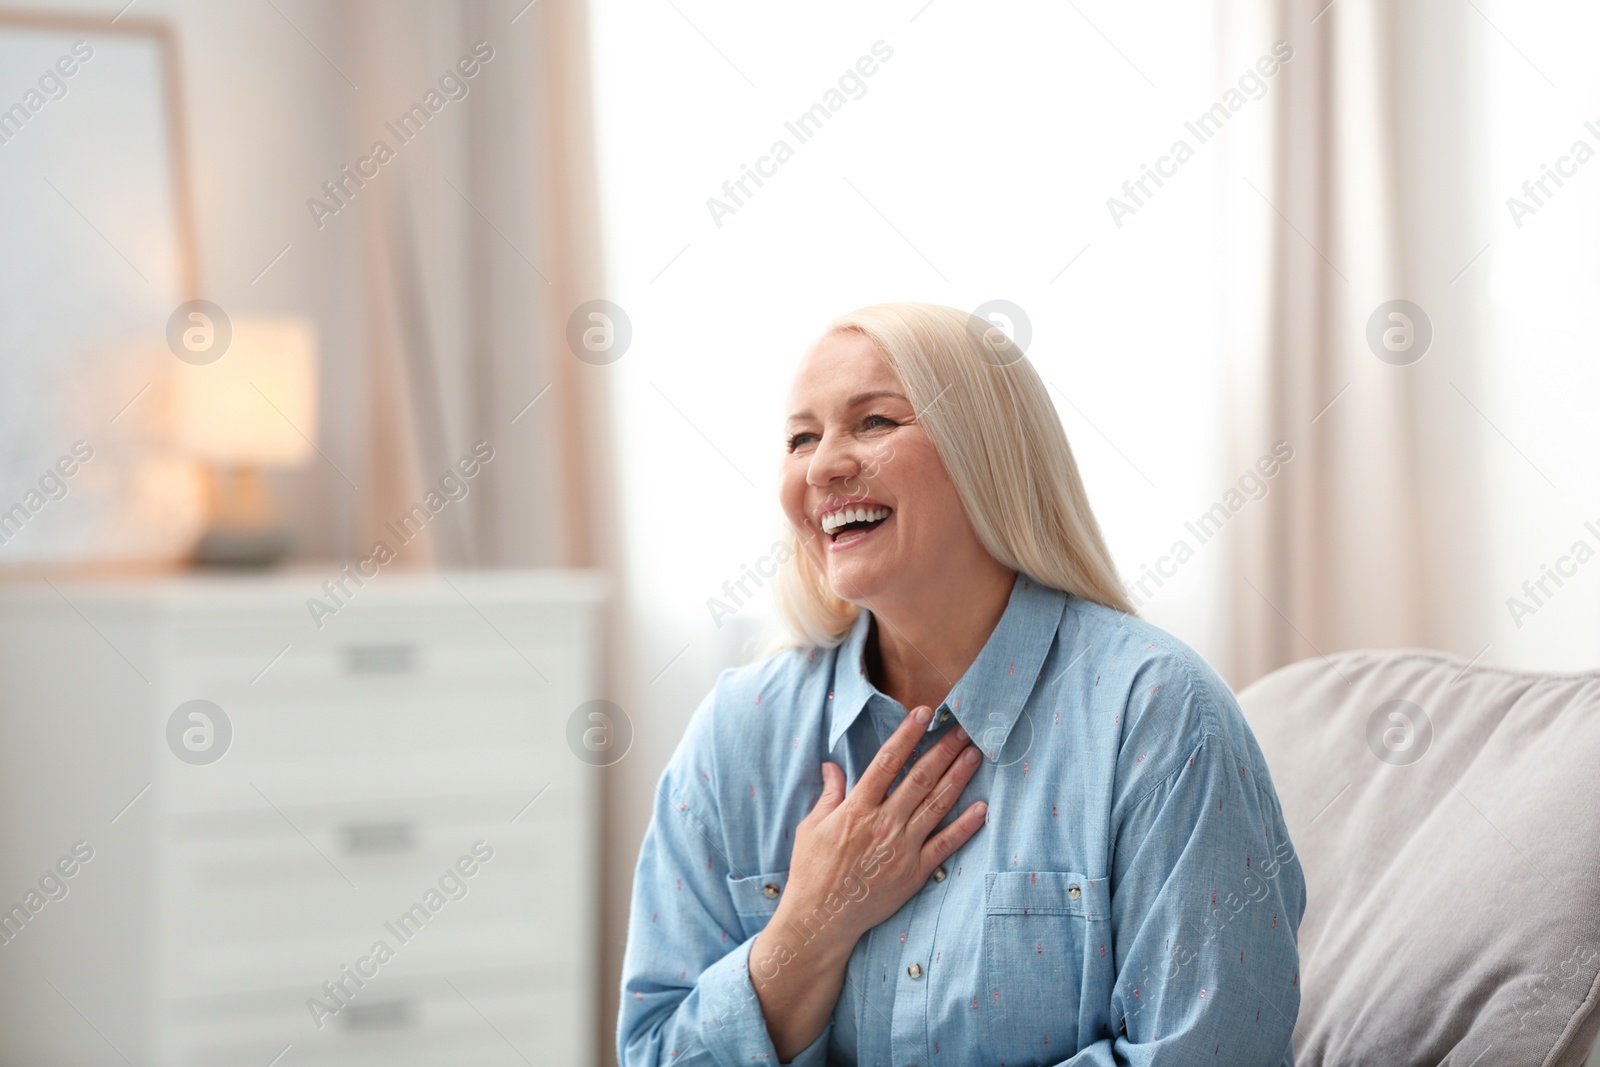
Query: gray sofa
{"points": [[1447, 818]]}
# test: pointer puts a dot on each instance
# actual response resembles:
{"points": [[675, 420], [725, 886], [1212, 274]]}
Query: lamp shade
{"points": [[257, 405]]}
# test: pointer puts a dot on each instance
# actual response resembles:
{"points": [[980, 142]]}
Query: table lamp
{"points": [[253, 408]]}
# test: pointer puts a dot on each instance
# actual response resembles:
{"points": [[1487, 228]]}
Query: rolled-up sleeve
{"points": [[687, 998], [1207, 897]]}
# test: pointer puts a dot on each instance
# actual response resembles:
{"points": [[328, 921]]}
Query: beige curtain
{"points": [[478, 237], [1360, 187]]}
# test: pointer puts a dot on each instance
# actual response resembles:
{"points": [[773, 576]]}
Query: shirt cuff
{"points": [[734, 1029]]}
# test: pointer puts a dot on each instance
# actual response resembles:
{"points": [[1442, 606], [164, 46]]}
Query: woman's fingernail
{"points": [[961, 733], [924, 714], [971, 757]]}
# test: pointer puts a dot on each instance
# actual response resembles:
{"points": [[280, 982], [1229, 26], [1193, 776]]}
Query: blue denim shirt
{"points": [[1132, 899]]}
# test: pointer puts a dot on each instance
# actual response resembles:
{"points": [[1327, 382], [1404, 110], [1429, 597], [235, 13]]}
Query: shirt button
{"points": [[915, 970], [940, 874], [769, 890], [944, 716], [1074, 892]]}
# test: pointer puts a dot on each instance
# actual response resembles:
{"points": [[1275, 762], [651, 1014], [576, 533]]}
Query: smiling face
{"points": [[862, 482]]}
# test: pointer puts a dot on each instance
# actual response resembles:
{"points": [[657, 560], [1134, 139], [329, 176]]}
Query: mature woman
{"points": [[1067, 851]]}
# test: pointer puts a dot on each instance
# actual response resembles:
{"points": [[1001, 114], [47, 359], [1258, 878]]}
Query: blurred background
{"points": [[390, 403]]}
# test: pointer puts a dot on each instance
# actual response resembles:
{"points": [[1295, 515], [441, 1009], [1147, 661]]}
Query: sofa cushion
{"points": [[1447, 818]]}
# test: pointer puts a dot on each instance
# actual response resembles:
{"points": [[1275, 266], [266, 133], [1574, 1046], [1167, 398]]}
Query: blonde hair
{"points": [[991, 421]]}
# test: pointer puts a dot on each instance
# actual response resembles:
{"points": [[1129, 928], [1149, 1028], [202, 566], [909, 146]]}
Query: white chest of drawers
{"points": [[399, 776]]}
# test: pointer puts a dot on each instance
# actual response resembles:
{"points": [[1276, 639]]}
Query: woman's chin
{"points": [[859, 581]]}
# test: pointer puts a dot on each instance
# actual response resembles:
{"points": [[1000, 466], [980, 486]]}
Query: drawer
{"points": [[399, 660], [360, 740], [274, 909], [490, 1020], [375, 638]]}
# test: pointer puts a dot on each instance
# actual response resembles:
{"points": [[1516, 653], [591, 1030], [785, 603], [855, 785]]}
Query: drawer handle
{"points": [[381, 1015], [378, 837], [378, 659]]}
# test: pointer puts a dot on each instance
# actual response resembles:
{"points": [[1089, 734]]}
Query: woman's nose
{"points": [[834, 458]]}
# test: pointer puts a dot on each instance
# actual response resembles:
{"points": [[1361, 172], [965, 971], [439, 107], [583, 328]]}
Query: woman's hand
{"points": [[872, 848], [856, 860]]}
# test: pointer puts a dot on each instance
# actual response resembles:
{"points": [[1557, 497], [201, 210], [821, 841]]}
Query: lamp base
{"points": [[245, 531], [242, 547]]}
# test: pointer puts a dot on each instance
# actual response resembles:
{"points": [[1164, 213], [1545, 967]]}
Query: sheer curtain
{"points": [[478, 236], [1362, 192]]}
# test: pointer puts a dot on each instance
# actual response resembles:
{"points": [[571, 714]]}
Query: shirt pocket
{"points": [[1045, 934], [755, 898]]}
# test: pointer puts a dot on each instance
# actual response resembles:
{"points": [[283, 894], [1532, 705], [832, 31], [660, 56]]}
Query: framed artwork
{"points": [[97, 252]]}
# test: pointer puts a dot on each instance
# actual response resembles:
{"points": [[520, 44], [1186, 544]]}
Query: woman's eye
{"points": [[871, 422]]}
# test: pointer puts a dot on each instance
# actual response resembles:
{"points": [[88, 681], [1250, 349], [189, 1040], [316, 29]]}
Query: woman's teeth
{"points": [[835, 523]]}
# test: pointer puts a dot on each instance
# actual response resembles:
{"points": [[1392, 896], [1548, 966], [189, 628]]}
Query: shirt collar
{"points": [[988, 698]]}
